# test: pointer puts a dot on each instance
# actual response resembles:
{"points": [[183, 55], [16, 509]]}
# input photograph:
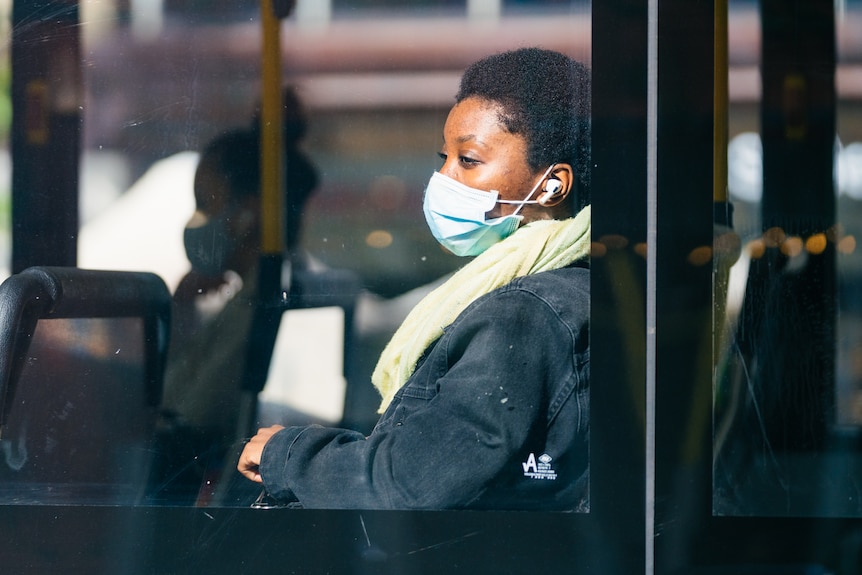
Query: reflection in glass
{"points": [[786, 423], [80, 426]]}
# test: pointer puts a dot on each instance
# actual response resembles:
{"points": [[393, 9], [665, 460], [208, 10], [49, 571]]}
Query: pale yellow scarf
{"points": [[538, 246]]}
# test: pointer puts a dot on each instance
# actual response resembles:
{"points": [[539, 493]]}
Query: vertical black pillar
{"points": [[618, 283], [46, 125], [683, 276]]}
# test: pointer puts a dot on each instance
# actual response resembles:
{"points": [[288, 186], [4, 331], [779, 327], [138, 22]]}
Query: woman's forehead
{"points": [[476, 120]]}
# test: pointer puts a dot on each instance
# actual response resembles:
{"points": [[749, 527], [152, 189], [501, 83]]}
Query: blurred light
{"points": [[847, 245], [379, 239], [756, 249], [792, 246], [614, 241], [816, 244], [774, 237], [745, 167], [727, 245], [641, 249], [598, 250], [848, 168], [700, 256]]}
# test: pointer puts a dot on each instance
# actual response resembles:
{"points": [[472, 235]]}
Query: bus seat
{"points": [[82, 356], [329, 288]]}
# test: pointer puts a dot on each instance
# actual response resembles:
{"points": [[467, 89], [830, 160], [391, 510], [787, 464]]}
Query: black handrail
{"points": [[45, 292]]}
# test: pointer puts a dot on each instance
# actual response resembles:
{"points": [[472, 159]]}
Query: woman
{"points": [[486, 384]]}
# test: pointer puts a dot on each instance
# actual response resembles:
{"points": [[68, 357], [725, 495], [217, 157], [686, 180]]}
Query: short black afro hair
{"points": [[235, 156], [545, 97]]}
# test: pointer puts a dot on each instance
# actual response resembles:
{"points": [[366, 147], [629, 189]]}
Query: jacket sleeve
{"points": [[462, 418]]}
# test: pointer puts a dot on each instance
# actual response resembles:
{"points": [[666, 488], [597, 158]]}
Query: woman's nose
{"points": [[448, 169]]}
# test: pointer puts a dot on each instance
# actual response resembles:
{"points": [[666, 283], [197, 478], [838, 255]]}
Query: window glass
{"points": [[52, 428], [365, 101], [787, 418]]}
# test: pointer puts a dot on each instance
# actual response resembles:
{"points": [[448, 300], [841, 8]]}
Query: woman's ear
{"points": [[558, 185]]}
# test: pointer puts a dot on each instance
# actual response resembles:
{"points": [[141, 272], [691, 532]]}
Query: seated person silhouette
{"points": [[214, 303]]}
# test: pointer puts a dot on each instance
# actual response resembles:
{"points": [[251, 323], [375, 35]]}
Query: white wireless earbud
{"points": [[552, 187]]}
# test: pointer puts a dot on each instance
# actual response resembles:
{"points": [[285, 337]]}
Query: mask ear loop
{"points": [[527, 200]]}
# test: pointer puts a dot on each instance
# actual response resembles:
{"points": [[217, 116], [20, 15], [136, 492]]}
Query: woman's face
{"points": [[479, 152]]}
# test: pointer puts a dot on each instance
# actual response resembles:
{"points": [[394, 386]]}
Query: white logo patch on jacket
{"points": [[539, 468]]}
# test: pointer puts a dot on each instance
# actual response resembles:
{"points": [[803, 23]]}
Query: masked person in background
{"points": [[485, 386], [214, 302]]}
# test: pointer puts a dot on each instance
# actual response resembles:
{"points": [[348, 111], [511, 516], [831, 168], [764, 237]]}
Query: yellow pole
{"points": [[264, 323], [272, 209], [261, 336]]}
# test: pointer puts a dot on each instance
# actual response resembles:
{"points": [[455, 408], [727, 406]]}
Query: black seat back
{"points": [[82, 355]]}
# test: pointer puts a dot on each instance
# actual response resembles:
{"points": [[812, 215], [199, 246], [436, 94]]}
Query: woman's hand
{"points": [[249, 459]]}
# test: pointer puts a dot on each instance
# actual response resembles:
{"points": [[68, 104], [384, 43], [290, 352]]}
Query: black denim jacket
{"points": [[496, 416]]}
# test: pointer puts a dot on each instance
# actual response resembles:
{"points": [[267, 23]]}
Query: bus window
{"points": [[787, 417], [160, 84]]}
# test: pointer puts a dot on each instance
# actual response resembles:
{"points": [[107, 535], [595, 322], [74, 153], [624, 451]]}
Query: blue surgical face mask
{"points": [[209, 247], [456, 215]]}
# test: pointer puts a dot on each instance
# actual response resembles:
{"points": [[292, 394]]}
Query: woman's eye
{"points": [[463, 160]]}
